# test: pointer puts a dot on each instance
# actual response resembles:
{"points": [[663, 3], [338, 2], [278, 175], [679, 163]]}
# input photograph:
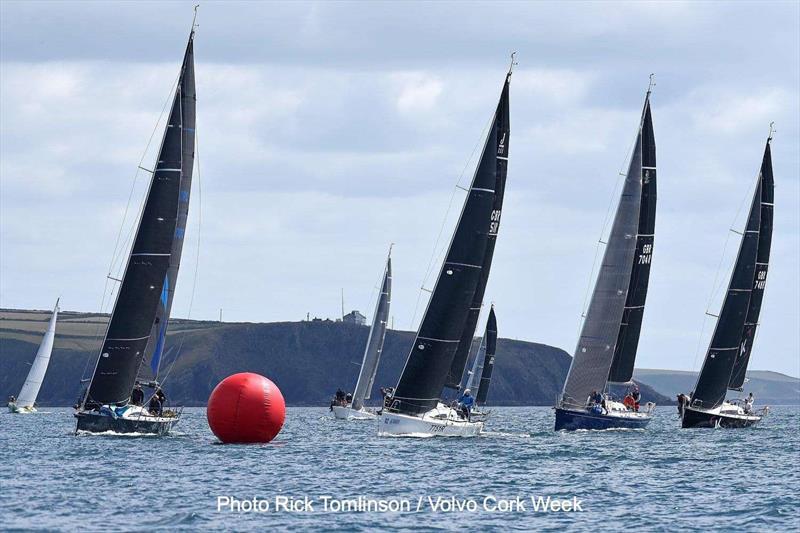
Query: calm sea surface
{"points": [[662, 478]]}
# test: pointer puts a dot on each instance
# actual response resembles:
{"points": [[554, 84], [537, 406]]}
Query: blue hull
{"points": [[571, 420]]}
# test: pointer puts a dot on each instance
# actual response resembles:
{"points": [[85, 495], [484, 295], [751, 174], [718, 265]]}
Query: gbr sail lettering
{"points": [[494, 222], [761, 280], [647, 254]]}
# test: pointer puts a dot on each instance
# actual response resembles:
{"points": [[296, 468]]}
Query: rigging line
{"points": [[436, 254]]}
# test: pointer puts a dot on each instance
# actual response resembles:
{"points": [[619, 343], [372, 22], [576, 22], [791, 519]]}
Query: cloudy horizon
{"points": [[328, 131]]}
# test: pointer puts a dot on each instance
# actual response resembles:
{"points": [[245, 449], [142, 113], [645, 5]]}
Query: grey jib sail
{"points": [[628, 338], [730, 339], [141, 291], [377, 333], [442, 326], [488, 358], [497, 167], [591, 364]]}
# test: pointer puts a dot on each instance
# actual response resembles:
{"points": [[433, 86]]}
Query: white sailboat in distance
{"points": [[26, 401]]}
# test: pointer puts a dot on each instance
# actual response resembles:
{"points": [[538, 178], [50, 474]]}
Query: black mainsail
{"points": [[377, 334], [490, 342], [494, 165], [614, 313], [732, 340], [145, 294], [443, 325], [762, 265]]}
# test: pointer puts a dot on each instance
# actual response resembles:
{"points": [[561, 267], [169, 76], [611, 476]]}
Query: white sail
{"points": [[30, 390]]}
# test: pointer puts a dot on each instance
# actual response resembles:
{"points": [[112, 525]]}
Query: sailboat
{"points": [[26, 401], [355, 410], [141, 311], [731, 345], [482, 367], [609, 337], [435, 360]]}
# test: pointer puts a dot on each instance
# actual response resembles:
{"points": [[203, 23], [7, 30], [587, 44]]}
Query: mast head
{"points": [[513, 63], [194, 23], [651, 84], [771, 130]]}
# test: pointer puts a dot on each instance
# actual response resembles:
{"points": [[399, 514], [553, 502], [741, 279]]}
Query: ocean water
{"points": [[661, 478]]}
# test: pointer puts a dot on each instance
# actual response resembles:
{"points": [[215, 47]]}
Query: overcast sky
{"points": [[328, 131]]}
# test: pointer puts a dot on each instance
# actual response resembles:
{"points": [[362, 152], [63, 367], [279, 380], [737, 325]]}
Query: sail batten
{"points": [[138, 310], [377, 335], [430, 364]]}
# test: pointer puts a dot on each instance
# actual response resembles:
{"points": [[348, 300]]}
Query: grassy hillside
{"points": [[307, 360]]}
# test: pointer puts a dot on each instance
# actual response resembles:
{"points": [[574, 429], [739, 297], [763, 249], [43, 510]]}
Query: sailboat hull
{"points": [[577, 419], [131, 420], [439, 422], [348, 413], [726, 416], [14, 408]]}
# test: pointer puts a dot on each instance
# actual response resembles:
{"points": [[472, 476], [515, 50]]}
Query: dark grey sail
{"points": [[712, 383], [377, 334], [442, 327], [488, 361], [760, 279], [156, 344], [628, 338], [497, 167], [143, 283], [596, 347]]}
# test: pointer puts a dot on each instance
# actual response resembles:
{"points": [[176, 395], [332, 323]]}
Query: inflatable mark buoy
{"points": [[246, 408]]}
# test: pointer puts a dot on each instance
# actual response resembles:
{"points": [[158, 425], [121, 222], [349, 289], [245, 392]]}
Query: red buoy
{"points": [[246, 408]]}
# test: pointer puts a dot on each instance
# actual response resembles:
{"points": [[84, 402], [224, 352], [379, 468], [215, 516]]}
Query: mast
{"points": [[442, 327], [377, 334], [631, 326], [30, 389], [488, 361], [731, 341], [596, 347], [146, 284], [497, 167], [762, 265]]}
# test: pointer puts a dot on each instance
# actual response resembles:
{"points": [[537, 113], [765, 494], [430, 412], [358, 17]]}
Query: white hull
{"points": [[442, 421], [348, 413], [14, 408]]}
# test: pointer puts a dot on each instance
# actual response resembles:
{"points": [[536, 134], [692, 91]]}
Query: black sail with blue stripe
{"points": [[442, 326], [155, 350], [142, 295]]}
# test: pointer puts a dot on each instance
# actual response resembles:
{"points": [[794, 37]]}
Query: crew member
{"points": [[137, 396], [748, 404], [637, 396], [154, 406], [466, 401]]}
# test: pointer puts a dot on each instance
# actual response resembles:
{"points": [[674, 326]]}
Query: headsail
{"points": [[730, 340], [762, 265], [629, 330], [442, 327], [591, 364], [494, 165], [30, 390], [377, 334], [134, 317], [490, 344]]}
